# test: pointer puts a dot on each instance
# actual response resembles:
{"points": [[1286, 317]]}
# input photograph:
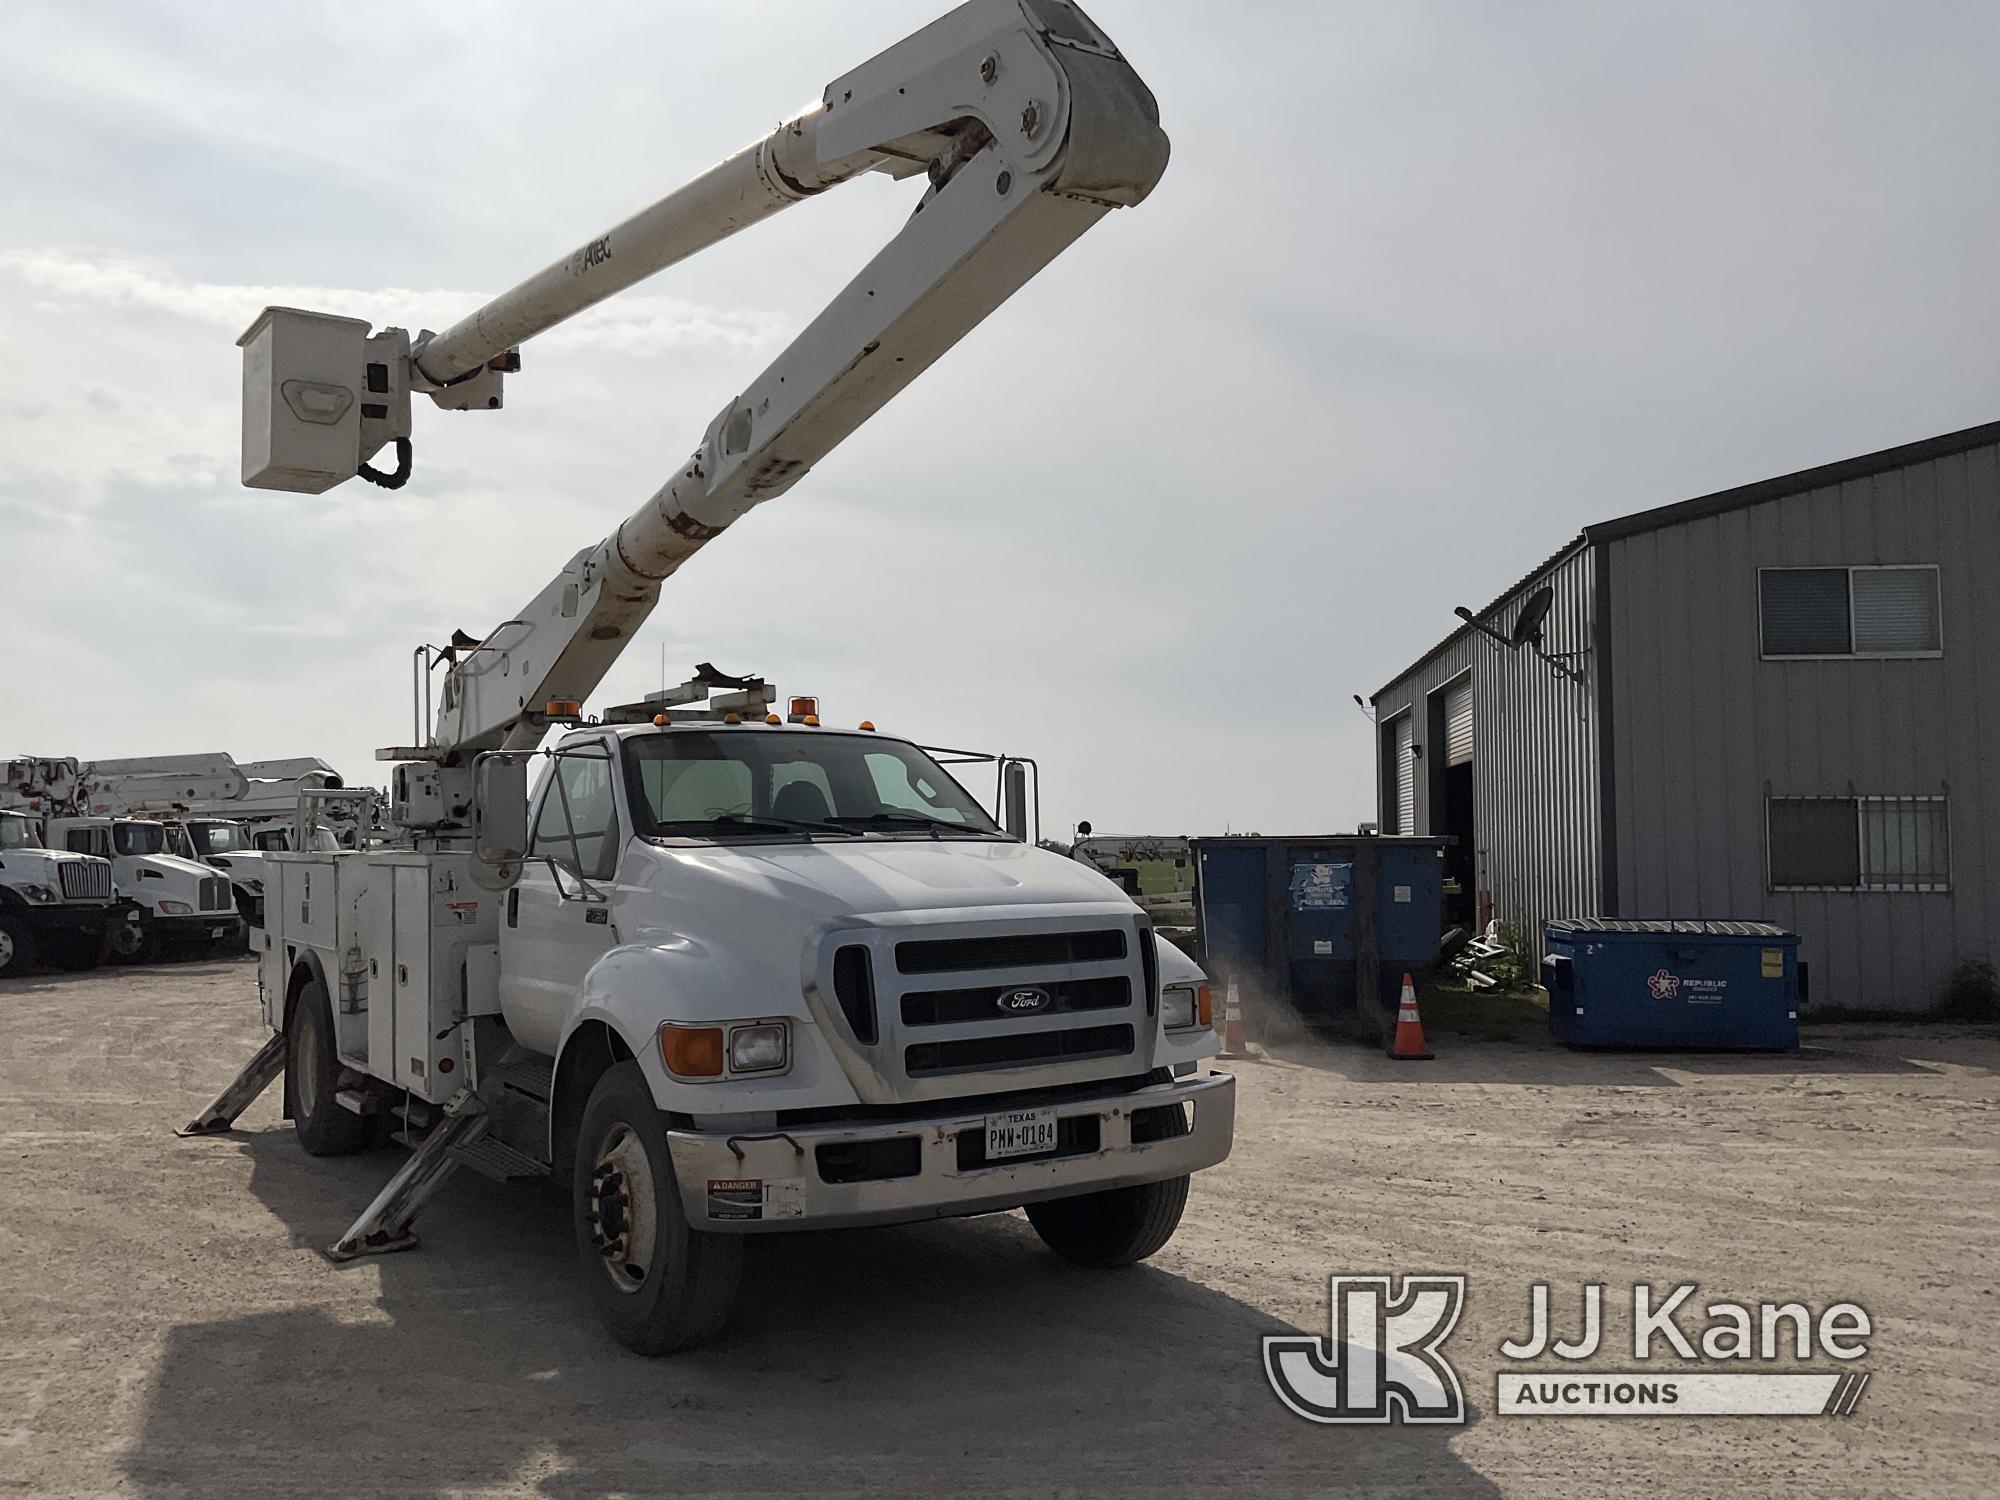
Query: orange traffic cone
{"points": [[1233, 1042], [1409, 1040]]}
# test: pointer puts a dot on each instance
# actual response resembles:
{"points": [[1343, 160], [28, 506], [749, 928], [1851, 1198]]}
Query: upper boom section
{"points": [[1029, 126]]}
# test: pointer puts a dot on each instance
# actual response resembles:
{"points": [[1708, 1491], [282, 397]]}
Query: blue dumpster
{"points": [[1310, 923], [1677, 984]]}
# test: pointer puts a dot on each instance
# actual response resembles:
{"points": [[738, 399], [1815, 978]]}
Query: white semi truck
{"points": [[55, 906], [727, 973]]}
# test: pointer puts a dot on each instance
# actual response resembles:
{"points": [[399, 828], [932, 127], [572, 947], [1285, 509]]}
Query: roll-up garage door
{"points": [[1406, 774], [1458, 723]]}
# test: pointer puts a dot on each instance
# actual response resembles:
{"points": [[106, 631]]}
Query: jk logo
{"points": [[1381, 1363]]}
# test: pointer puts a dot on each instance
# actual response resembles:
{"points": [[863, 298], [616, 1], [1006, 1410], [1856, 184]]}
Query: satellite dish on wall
{"points": [[1534, 610]]}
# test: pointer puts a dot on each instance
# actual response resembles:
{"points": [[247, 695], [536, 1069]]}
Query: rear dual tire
{"points": [[312, 1077]]}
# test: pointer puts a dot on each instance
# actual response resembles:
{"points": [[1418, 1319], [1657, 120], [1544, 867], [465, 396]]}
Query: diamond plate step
{"points": [[530, 1074], [501, 1162]]}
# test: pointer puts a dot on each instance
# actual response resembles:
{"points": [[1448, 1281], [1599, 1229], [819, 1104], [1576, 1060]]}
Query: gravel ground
{"points": [[172, 1330]]}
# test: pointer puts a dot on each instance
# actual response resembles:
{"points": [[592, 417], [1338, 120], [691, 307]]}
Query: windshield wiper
{"points": [[762, 823], [916, 820]]}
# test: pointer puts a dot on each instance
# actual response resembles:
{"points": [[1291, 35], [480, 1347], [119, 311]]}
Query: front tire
{"points": [[17, 946], [1120, 1226], [659, 1284], [312, 1077], [79, 951]]}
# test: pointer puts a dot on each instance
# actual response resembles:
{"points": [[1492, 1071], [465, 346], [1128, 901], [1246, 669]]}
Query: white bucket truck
{"points": [[729, 974]]}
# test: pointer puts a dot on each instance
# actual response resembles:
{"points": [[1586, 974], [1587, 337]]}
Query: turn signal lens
{"points": [[1204, 1006], [692, 1051]]}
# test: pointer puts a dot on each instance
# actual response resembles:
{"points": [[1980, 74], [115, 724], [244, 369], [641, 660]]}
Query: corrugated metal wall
{"points": [[1536, 801], [1703, 729]]}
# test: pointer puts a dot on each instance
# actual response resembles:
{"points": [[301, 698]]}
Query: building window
{"points": [[1862, 611], [1859, 843]]}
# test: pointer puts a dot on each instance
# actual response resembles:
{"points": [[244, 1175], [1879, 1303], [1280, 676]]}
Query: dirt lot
{"points": [[171, 1329]]}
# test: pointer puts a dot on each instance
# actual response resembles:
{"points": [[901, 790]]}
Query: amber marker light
{"points": [[867, 724], [1204, 1008], [692, 1051]]}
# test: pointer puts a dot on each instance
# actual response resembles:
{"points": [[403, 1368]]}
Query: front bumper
{"points": [[197, 927], [69, 916], [764, 1181]]}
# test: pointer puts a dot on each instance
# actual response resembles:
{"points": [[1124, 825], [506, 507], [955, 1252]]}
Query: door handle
{"points": [[514, 906]]}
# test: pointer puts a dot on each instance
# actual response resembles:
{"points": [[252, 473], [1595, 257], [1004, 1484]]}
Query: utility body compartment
{"points": [[396, 932]]}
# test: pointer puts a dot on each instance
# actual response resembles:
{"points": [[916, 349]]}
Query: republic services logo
{"points": [[1664, 985], [1380, 1361]]}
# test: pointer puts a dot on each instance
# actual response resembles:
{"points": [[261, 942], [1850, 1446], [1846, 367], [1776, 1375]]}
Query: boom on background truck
{"points": [[734, 972]]}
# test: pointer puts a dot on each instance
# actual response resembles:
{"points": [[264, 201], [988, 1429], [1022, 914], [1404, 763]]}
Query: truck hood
{"points": [[838, 878]]}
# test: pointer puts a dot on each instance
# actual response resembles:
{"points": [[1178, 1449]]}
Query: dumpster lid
{"points": [[1665, 924]]}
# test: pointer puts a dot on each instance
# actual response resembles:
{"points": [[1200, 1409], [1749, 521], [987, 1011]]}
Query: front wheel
{"points": [[1119, 1226], [17, 946], [659, 1284], [79, 951]]}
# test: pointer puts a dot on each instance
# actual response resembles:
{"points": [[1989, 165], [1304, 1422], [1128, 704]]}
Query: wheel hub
{"points": [[6, 947], [618, 1209]]}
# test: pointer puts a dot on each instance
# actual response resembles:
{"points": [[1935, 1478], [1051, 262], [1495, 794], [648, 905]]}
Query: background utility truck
{"points": [[731, 974], [162, 899], [55, 906]]}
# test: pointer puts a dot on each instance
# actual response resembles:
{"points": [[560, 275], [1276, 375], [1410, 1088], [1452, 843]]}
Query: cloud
{"points": [[635, 324]]}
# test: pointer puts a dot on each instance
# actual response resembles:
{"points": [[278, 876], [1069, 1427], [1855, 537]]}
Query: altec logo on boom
{"points": [[1383, 1359]]}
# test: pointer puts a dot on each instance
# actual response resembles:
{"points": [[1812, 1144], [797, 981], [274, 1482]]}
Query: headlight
{"points": [[174, 908], [38, 893], [1183, 1006], [758, 1049]]}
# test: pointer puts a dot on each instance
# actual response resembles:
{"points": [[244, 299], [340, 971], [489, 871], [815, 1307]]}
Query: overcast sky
{"points": [[1424, 289]]}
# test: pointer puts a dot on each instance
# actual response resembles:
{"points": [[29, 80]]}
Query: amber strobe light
{"points": [[692, 1051], [803, 706]]}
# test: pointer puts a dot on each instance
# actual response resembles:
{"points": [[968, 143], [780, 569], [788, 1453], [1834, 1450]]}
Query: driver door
{"points": [[555, 925]]}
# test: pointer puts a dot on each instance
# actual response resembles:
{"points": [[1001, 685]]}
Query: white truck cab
{"points": [[54, 905], [224, 844], [170, 901]]}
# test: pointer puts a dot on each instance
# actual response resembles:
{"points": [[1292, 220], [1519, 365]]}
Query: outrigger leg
{"points": [[385, 1224], [242, 1091]]}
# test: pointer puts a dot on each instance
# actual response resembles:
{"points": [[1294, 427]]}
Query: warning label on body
{"points": [[736, 1197]]}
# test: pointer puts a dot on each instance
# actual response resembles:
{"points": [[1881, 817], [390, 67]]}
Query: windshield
{"points": [[218, 838], [695, 783], [129, 837], [18, 833]]}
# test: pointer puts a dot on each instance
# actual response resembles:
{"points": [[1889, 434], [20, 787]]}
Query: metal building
{"points": [[1780, 702]]}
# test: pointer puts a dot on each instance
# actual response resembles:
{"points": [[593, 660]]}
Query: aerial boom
{"points": [[1030, 127]]}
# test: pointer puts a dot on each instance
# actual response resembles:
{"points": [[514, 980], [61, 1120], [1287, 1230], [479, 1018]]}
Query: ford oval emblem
{"points": [[1024, 1001]]}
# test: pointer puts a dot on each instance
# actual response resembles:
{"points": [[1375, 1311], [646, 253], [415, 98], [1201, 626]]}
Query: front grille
{"points": [[1010, 1049], [854, 988], [1011, 950], [215, 893], [85, 880], [1076, 1135], [941, 1007]]}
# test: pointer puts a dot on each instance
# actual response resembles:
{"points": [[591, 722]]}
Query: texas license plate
{"points": [[1020, 1132]]}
